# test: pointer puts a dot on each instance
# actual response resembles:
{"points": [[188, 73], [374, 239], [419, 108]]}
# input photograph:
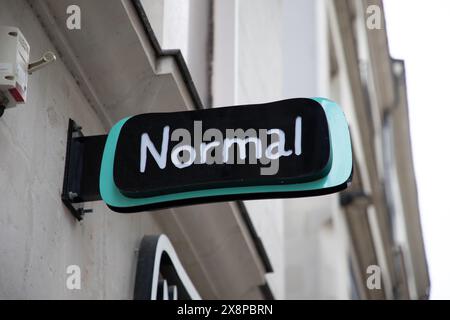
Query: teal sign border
{"points": [[337, 179]]}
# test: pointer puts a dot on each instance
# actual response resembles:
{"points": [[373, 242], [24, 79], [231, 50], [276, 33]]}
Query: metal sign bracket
{"points": [[82, 170]]}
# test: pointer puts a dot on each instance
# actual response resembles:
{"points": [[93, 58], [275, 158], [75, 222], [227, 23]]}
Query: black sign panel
{"points": [[153, 156]]}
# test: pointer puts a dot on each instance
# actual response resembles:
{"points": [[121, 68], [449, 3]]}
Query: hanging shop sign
{"points": [[224, 148], [289, 148]]}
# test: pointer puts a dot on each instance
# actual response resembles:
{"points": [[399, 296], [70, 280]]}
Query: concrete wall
{"points": [[259, 79], [316, 256], [185, 25], [266, 51], [316, 243], [247, 68], [259, 51], [39, 237]]}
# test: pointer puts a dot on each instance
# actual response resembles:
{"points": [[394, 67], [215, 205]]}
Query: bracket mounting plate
{"points": [[82, 170]]}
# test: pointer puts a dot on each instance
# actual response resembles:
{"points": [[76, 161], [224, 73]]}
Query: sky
{"points": [[419, 33]]}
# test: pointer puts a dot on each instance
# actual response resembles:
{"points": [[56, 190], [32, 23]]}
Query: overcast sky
{"points": [[419, 33]]}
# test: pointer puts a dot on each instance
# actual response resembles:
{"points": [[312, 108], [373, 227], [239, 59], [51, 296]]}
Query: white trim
{"points": [[225, 62]]}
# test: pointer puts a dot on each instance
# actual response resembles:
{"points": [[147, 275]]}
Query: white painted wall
{"points": [[305, 48], [316, 256], [266, 51], [225, 53], [241, 75], [247, 68], [259, 50], [259, 80], [185, 25], [39, 237]]}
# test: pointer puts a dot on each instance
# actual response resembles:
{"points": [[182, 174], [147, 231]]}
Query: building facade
{"points": [[136, 56]]}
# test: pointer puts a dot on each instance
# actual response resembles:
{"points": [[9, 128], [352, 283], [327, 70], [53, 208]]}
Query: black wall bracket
{"points": [[82, 170]]}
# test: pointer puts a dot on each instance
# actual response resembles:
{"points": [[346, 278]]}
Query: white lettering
{"points": [[176, 152], [147, 144], [298, 136], [279, 145], [204, 148], [241, 144], [184, 154]]}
